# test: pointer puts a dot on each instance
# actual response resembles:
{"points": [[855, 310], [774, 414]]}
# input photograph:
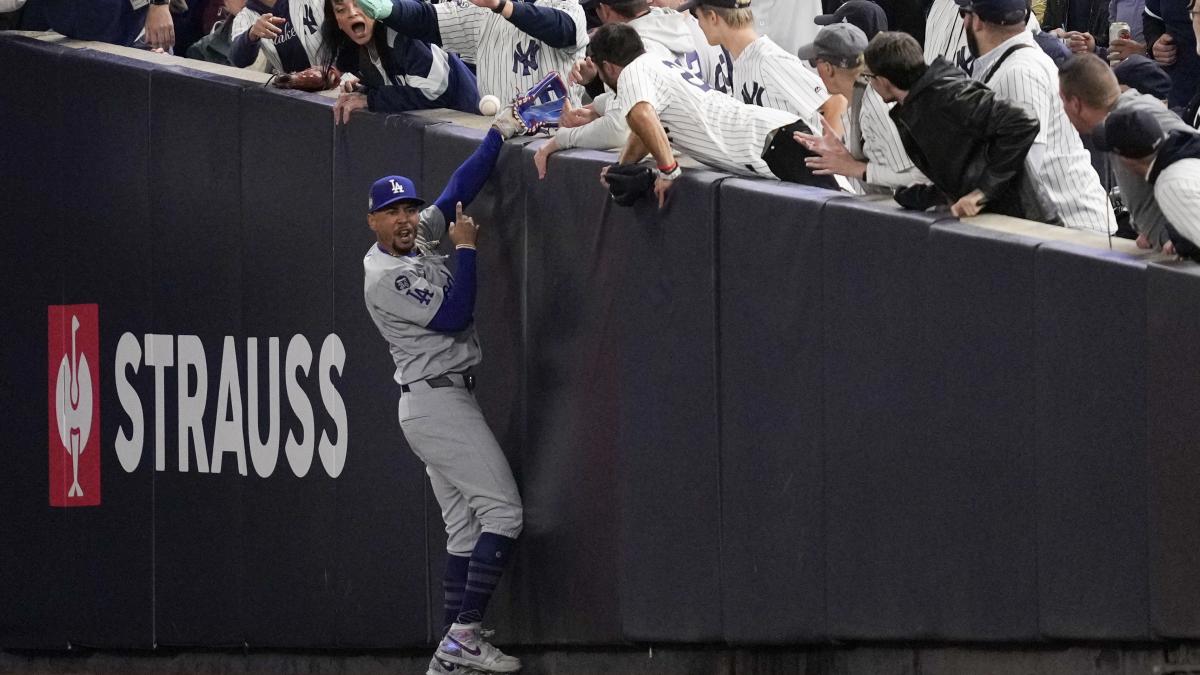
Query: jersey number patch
{"points": [[688, 76], [420, 295]]}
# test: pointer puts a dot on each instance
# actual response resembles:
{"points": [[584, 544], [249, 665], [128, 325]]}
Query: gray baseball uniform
{"points": [[443, 424]]}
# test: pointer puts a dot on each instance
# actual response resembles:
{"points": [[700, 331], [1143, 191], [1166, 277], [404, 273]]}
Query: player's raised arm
{"points": [[552, 26], [458, 302], [413, 18]]}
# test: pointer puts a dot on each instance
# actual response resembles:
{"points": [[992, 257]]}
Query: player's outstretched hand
{"points": [[542, 157], [970, 204], [576, 117], [832, 156], [160, 27], [267, 27], [661, 186], [583, 71], [346, 104], [463, 231]]}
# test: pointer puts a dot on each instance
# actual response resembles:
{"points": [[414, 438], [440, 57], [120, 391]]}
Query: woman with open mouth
{"points": [[392, 73]]}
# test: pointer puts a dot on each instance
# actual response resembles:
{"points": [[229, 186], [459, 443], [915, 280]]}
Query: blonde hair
{"points": [[734, 18]]}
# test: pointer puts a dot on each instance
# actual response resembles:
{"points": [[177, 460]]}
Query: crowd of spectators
{"points": [[1080, 113]]}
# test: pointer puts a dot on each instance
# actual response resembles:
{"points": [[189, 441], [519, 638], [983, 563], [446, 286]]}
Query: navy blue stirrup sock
{"points": [[454, 583], [488, 561]]}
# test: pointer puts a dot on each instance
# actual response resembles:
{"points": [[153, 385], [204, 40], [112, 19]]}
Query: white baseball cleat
{"points": [[439, 667], [465, 647]]}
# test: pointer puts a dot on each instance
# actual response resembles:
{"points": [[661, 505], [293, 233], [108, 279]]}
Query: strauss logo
{"points": [[74, 406]]}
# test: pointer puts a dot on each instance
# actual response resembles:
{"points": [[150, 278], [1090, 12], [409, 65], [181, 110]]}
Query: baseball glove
{"points": [[309, 79], [628, 182]]}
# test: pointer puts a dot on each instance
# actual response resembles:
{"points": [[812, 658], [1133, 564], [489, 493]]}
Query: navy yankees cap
{"points": [[1129, 132], [727, 4], [1143, 74], [867, 15], [1003, 12], [841, 44], [391, 189]]}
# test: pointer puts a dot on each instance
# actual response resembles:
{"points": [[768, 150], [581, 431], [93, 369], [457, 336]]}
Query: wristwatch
{"points": [[670, 172], [160, 2]]}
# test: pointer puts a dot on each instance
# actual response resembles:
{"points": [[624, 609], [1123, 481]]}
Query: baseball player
{"points": [[714, 129], [513, 44], [763, 73], [1012, 65], [391, 72], [288, 32], [425, 314], [870, 152]]}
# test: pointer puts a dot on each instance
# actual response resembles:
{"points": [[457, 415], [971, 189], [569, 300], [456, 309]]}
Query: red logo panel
{"points": [[74, 395]]}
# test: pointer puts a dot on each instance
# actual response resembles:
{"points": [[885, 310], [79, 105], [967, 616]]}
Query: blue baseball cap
{"points": [[1143, 74], [867, 15], [1002, 12], [1129, 132], [391, 189]]}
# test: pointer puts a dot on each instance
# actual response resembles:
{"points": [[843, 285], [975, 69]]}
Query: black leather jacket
{"points": [[1057, 12], [964, 138]]}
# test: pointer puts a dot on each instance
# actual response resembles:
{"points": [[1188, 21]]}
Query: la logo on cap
{"points": [[396, 187]]}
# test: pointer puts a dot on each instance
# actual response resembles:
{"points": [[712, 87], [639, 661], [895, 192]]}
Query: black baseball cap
{"points": [[727, 4], [1129, 132], [1002, 12], [867, 15], [1143, 74]]}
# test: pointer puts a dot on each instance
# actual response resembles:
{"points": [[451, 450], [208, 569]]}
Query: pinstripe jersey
{"points": [[711, 127], [1029, 79], [946, 36], [507, 61], [715, 62], [1177, 191], [765, 75], [888, 164]]}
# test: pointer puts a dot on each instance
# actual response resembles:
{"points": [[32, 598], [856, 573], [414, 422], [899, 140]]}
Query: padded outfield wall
{"points": [[768, 414]]}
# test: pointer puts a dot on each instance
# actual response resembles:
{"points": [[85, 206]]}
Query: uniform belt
{"points": [[466, 380]]}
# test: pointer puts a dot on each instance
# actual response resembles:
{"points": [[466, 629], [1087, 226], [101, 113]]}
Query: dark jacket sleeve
{"points": [[1055, 16], [1008, 131], [554, 27], [1153, 27], [417, 20], [243, 52]]}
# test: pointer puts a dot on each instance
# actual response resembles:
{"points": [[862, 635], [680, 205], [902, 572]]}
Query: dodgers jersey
{"points": [[507, 61], [404, 293], [701, 121], [765, 75]]}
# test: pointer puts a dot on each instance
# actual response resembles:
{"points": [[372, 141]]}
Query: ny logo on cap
{"points": [[397, 189]]}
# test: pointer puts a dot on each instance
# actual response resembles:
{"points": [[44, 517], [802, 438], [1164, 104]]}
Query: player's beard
{"points": [[972, 41]]}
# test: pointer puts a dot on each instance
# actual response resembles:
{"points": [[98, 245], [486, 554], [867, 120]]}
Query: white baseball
{"points": [[489, 105]]}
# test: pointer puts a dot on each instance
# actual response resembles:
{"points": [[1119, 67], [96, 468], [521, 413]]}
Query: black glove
{"points": [[919, 197], [628, 182]]}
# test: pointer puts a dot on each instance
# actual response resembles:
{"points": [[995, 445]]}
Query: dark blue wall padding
{"points": [[973, 479], [380, 558], [571, 469], [1091, 444], [35, 535], [105, 178], [668, 436], [1172, 388], [772, 421], [287, 256], [196, 234], [881, 519]]}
